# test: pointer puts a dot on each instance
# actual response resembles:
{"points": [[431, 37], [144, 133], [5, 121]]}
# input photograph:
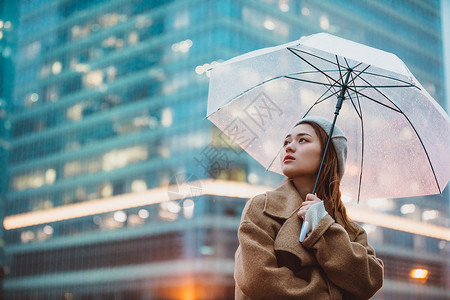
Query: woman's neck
{"points": [[304, 185]]}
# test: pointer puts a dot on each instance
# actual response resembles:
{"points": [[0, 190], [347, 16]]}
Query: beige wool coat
{"points": [[271, 263]]}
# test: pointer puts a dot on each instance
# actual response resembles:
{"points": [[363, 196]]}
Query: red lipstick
{"points": [[288, 157]]}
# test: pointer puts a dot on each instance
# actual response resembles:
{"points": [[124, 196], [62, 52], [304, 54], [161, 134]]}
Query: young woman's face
{"points": [[303, 145]]}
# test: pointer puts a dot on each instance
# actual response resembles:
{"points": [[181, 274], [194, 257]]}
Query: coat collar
{"points": [[283, 201]]}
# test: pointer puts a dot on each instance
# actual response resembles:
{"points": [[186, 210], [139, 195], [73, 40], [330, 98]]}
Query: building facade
{"points": [[118, 188]]}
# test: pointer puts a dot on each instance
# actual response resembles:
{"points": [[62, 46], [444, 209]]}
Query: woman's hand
{"points": [[310, 200]]}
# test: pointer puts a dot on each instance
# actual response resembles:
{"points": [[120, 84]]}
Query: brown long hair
{"points": [[329, 180]]}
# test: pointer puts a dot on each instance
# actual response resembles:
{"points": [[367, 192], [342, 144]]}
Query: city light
{"points": [[182, 46], [305, 11], [380, 203], [133, 38], [34, 97], [284, 7], [419, 274], [173, 206], [397, 223], [166, 117], [407, 208], [430, 215], [94, 78], [143, 214], [50, 176], [252, 178], [324, 23], [138, 185], [124, 201], [48, 229], [269, 24], [205, 68], [107, 190], [120, 216], [56, 67], [82, 68], [208, 187], [119, 158], [188, 208]]}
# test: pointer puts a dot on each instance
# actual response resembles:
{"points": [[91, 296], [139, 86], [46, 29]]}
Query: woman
{"points": [[334, 261]]}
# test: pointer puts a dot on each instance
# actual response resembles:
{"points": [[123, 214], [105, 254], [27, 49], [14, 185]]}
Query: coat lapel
{"points": [[284, 203]]}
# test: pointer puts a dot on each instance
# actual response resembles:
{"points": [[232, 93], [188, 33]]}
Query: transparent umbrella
{"points": [[398, 135]]}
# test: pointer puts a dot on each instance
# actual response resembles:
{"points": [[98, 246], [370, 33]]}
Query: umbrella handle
{"points": [[303, 231]]}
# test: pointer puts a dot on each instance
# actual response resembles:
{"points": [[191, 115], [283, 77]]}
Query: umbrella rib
{"points": [[337, 81], [339, 67], [417, 134], [311, 54], [360, 114], [409, 121], [354, 69], [387, 98], [326, 75], [372, 99], [379, 75], [320, 101], [333, 85], [373, 86], [385, 86], [311, 72], [354, 106], [357, 75], [309, 81], [330, 84], [348, 66], [328, 97], [264, 82], [394, 79], [426, 152]]}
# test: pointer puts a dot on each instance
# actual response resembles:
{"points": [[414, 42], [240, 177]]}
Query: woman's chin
{"points": [[289, 173]]}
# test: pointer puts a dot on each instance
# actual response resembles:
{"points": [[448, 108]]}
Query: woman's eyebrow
{"points": [[299, 134]]}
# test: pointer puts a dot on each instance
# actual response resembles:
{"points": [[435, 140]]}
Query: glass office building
{"points": [[118, 188]]}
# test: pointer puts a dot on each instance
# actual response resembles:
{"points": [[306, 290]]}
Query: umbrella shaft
{"points": [[326, 147], [341, 99], [341, 96]]}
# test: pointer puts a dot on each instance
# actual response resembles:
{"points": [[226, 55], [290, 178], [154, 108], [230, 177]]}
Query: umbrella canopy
{"points": [[397, 133]]}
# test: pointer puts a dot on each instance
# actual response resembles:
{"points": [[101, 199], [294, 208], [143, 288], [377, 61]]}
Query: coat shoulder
{"points": [[360, 235], [254, 207]]}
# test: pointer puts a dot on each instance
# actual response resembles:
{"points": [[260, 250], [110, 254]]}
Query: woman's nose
{"points": [[289, 148]]}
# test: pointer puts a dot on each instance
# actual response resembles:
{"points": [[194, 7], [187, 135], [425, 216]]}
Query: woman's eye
{"points": [[285, 143], [302, 140]]}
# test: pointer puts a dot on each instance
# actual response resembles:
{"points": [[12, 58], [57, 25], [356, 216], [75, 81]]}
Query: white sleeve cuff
{"points": [[314, 214]]}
